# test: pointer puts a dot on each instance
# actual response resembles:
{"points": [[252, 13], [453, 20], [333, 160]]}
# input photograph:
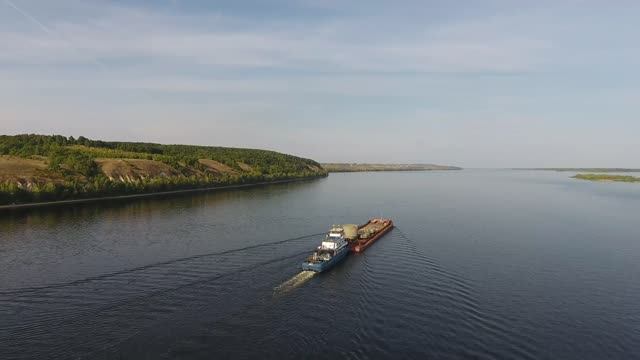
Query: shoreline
{"points": [[147, 195]]}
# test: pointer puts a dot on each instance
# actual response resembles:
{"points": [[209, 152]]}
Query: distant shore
{"points": [[355, 167], [148, 195], [591, 170], [607, 178]]}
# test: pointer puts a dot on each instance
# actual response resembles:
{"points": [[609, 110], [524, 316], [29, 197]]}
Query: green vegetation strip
{"points": [[607, 177]]}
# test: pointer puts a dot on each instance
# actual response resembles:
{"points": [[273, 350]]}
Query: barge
{"points": [[342, 239], [363, 236]]}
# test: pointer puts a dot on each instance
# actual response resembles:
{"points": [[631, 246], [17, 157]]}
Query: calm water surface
{"points": [[483, 265]]}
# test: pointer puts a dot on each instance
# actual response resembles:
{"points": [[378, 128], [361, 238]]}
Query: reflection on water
{"points": [[22, 219]]}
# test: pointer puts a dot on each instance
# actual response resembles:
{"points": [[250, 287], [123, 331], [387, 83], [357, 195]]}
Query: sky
{"points": [[468, 83]]}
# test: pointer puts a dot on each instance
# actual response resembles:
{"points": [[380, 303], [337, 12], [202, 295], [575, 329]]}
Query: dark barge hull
{"points": [[361, 245]]}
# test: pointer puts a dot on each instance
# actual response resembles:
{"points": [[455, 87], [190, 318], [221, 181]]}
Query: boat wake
{"points": [[184, 260], [296, 281]]}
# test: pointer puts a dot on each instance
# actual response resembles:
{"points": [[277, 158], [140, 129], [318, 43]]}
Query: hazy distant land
{"points": [[355, 167], [591, 170], [608, 177]]}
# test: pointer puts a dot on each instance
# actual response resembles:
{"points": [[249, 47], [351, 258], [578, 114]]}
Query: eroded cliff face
{"points": [[25, 173]]}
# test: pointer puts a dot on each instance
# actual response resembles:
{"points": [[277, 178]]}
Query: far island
{"points": [[356, 167], [608, 177]]}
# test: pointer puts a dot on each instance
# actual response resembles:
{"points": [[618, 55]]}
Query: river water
{"points": [[483, 264]]}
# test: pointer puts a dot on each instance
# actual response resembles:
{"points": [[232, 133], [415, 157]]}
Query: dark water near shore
{"points": [[483, 265]]}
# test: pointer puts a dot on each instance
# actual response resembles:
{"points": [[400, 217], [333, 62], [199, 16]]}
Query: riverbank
{"points": [[43, 169], [148, 195]]}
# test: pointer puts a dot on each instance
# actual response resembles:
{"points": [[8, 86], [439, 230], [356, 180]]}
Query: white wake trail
{"points": [[296, 281]]}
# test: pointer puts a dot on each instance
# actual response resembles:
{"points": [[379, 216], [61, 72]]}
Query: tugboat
{"points": [[333, 249]]}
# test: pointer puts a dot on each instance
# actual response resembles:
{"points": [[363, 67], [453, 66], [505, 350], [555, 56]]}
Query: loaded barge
{"points": [[365, 235], [344, 238]]}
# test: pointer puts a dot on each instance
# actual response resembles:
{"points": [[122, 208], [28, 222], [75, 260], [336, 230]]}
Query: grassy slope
{"points": [[32, 168], [342, 167]]}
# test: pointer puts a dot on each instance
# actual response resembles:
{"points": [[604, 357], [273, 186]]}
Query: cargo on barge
{"points": [[363, 236]]}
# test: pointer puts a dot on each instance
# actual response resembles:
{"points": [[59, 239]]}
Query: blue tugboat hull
{"points": [[326, 265]]}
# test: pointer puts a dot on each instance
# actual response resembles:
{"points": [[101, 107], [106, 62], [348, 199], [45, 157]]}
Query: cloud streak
{"points": [[123, 35]]}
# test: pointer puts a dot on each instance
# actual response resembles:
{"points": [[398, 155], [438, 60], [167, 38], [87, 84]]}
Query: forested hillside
{"points": [[36, 168]]}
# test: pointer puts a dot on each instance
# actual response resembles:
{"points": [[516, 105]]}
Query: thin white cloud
{"points": [[124, 35]]}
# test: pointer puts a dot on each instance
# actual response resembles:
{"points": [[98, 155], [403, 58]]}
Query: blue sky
{"points": [[469, 83]]}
